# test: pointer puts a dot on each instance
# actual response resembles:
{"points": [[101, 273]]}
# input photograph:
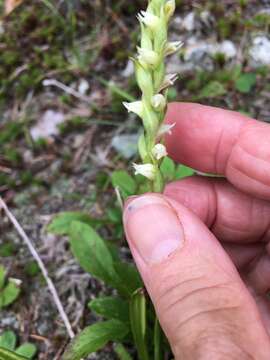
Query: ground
{"points": [[64, 72]]}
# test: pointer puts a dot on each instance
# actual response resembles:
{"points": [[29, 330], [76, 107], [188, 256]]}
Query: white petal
{"points": [[166, 129], [147, 170], [159, 151], [168, 81], [150, 20], [158, 102], [136, 107], [173, 47]]}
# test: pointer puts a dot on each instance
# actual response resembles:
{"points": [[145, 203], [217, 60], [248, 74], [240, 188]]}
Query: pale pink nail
{"points": [[153, 228]]}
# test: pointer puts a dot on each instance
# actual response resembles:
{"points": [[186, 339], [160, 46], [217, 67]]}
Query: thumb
{"points": [[202, 304]]}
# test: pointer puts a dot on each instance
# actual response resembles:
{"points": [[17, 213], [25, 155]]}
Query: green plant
{"points": [[128, 317], [9, 289], [9, 350]]}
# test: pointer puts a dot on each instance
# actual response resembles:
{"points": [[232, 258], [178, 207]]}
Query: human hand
{"points": [[203, 247]]}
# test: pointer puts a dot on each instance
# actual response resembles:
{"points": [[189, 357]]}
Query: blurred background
{"points": [[64, 73]]}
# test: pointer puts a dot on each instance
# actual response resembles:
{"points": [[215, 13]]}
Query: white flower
{"points": [[16, 282], [173, 47], [158, 101], [159, 151], [148, 57], [165, 129], [168, 81], [169, 8], [147, 170], [136, 107], [150, 20]]}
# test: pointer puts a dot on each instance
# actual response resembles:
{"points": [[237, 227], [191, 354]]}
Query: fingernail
{"points": [[153, 228]]}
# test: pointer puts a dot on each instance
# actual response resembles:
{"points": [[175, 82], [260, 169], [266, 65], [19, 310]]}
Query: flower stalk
{"points": [[153, 83]]}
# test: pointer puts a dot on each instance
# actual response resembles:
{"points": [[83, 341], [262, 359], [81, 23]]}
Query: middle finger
{"points": [[233, 216]]}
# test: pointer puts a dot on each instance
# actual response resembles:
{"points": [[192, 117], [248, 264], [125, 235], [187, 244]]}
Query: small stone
{"points": [[189, 22], [47, 125], [260, 51], [83, 86]]}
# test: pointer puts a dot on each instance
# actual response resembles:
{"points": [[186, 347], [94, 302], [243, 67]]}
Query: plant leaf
{"points": [[2, 276], [122, 180], [122, 352], [245, 82], [8, 340], [92, 252], [60, 225], [137, 310], [6, 354], [183, 171], [111, 307], [9, 294], [167, 168], [212, 90], [129, 277], [27, 350], [157, 341], [95, 337]]}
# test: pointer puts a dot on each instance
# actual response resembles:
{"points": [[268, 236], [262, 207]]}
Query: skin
{"points": [[209, 284]]}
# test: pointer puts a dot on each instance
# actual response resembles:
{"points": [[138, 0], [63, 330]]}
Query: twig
{"points": [[66, 89], [42, 267]]}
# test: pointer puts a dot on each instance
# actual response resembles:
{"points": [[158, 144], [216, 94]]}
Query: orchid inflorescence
{"points": [[153, 82]]}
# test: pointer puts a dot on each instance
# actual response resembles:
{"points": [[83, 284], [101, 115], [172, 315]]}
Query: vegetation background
{"points": [[64, 72]]}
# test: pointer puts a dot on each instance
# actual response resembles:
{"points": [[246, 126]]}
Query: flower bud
{"points": [[147, 57], [173, 47], [136, 107], [158, 102], [147, 170], [144, 79], [168, 81], [149, 19], [169, 8], [159, 151]]}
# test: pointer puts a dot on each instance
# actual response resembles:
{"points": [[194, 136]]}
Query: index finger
{"points": [[223, 142]]}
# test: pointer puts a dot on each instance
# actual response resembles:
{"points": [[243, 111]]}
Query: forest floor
{"points": [[64, 72]]}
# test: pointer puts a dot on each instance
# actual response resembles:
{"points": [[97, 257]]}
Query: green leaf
{"points": [[122, 180], [111, 307], [122, 352], [92, 252], [167, 168], [8, 340], [95, 337], [212, 90], [245, 82], [6, 354], [27, 350], [9, 294], [129, 276], [60, 224], [137, 310], [157, 341], [183, 171], [2, 276]]}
